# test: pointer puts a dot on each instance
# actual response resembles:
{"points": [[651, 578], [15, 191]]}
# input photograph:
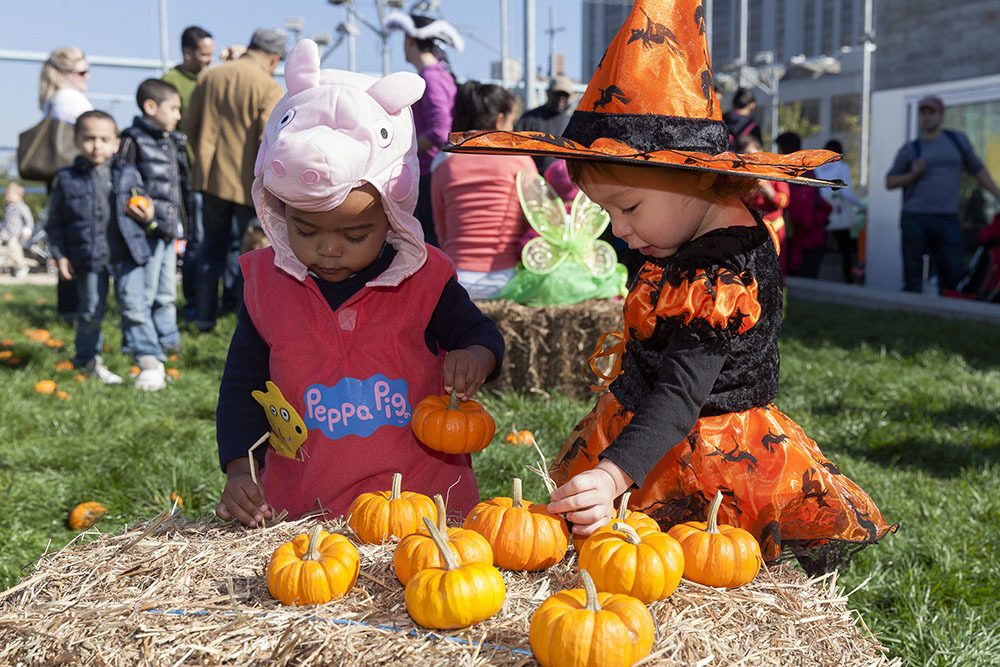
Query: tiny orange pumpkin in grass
{"points": [[418, 551], [641, 522], [586, 628], [378, 515], [134, 371], [64, 365], [7, 342], [446, 424], [455, 595], [86, 515], [173, 374], [79, 377], [717, 554], [13, 361], [37, 335], [646, 565], [62, 395], [523, 535], [5, 354], [519, 438], [8, 297], [313, 568], [54, 342], [45, 386]]}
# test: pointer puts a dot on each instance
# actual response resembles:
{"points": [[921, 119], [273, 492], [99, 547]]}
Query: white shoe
{"points": [[21, 272], [152, 375], [97, 368]]}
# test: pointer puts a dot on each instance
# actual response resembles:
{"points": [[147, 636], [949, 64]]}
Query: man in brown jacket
{"points": [[224, 123]]}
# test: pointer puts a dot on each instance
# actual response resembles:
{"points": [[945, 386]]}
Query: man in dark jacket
{"points": [[92, 226], [552, 117], [739, 119]]}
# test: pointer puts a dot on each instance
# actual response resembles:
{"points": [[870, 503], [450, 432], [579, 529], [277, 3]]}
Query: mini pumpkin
{"points": [[139, 200], [637, 520], [446, 424], [37, 335], [62, 395], [418, 551], [520, 438], [717, 554], [453, 596], [86, 515], [64, 365], [313, 568], [45, 386], [585, 628], [375, 516], [647, 566], [523, 535]]}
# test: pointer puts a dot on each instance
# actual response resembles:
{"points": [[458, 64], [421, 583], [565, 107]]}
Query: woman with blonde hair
{"points": [[60, 88]]}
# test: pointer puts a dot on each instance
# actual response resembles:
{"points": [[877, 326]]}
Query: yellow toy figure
{"points": [[283, 420]]}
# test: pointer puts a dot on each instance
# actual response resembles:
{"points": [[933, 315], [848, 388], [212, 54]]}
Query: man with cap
{"points": [[224, 123], [928, 170], [551, 117]]}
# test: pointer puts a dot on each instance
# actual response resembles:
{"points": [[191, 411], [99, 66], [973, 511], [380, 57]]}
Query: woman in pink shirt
{"points": [[477, 215]]}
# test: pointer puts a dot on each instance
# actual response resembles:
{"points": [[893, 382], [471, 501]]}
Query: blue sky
{"points": [[130, 28]]}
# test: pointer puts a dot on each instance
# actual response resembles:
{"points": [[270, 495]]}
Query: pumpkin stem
{"points": [[623, 510], [397, 486], [593, 604], [312, 550], [630, 533], [442, 522], [453, 403], [713, 514], [516, 495], [450, 563]]}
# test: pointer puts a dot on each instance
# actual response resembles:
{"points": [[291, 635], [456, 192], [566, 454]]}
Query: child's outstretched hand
{"points": [[466, 370], [587, 500], [242, 499]]}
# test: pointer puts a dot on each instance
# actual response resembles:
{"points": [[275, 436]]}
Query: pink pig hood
{"points": [[331, 132]]}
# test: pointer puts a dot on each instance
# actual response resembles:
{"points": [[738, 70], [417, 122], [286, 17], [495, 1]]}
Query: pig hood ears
{"points": [[330, 133]]}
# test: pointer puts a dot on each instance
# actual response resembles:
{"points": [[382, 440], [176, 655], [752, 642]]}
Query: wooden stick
{"points": [[253, 464]]}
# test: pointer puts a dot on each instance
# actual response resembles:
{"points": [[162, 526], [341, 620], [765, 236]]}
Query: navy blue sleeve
{"points": [[458, 323], [55, 228], [239, 418]]}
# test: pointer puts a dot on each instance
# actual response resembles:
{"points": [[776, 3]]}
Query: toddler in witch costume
{"points": [[689, 412], [349, 318]]}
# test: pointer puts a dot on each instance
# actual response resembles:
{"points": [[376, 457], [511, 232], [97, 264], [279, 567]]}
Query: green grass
{"points": [[906, 405]]}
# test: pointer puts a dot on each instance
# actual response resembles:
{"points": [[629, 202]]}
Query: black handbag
{"points": [[44, 149]]}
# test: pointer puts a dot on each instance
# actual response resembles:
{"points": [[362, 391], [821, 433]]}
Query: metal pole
{"points": [[707, 4], [164, 47], [744, 36], [552, 40], [866, 93], [775, 101], [351, 51], [504, 44], [380, 6], [529, 54]]}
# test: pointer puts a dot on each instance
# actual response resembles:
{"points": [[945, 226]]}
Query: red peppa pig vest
{"points": [[345, 383]]}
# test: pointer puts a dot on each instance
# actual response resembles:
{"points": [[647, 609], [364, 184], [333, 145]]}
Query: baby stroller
{"points": [[982, 282]]}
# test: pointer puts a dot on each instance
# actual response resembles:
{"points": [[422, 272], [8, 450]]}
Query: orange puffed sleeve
{"points": [[723, 299]]}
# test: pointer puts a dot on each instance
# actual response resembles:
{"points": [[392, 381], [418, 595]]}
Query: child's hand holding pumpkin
{"points": [[140, 209], [466, 370], [587, 500], [242, 498]]}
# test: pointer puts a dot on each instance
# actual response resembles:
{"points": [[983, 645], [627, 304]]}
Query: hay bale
{"points": [[548, 346], [179, 592]]}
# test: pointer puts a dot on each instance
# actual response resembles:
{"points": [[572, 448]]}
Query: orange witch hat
{"points": [[651, 102]]}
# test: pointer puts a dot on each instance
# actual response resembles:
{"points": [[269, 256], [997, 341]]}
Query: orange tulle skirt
{"points": [[776, 482]]}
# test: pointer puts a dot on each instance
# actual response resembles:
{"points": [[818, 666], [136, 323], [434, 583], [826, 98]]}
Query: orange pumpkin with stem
{"points": [[139, 200], [645, 565], [446, 424], [375, 516], [717, 554], [523, 535], [637, 520], [313, 568], [86, 515], [45, 386], [585, 628], [455, 595], [418, 551]]}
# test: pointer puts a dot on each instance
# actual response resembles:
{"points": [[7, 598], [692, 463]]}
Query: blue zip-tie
{"points": [[343, 621]]}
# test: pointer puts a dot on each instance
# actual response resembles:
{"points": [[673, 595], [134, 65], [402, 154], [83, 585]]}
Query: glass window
{"points": [[980, 121], [845, 126]]}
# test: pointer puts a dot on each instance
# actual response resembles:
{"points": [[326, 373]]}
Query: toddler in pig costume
{"points": [[349, 318]]}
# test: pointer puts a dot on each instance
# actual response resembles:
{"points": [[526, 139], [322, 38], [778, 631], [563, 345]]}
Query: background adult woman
{"points": [[477, 215]]}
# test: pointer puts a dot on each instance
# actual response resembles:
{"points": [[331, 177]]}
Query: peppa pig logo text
{"points": [[357, 407]]}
